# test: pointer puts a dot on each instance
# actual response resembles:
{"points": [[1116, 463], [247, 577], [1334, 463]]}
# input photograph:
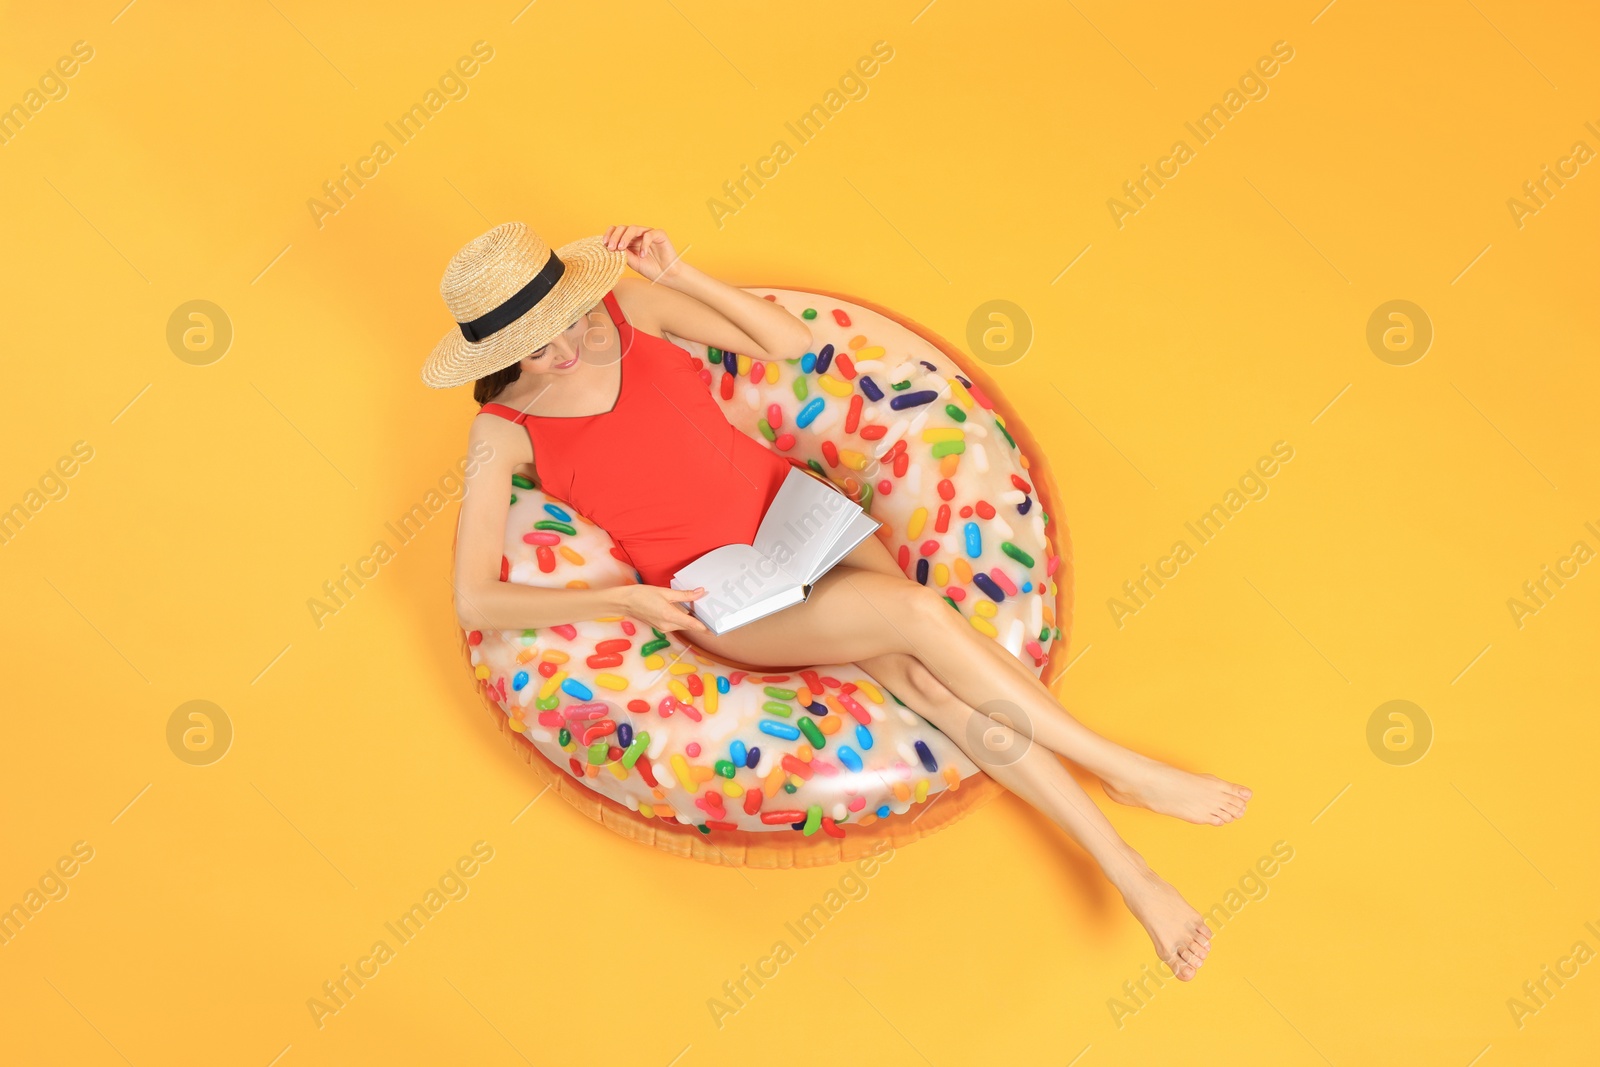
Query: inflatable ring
{"points": [[670, 746]]}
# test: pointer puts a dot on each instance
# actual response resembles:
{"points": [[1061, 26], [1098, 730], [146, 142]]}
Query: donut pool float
{"points": [[813, 764]]}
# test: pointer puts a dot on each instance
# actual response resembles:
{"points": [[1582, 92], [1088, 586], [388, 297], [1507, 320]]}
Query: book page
{"points": [[735, 577], [803, 524], [861, 527], [788, 598]]}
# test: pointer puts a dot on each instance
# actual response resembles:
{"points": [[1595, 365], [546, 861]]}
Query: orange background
{"points": [[1230, 312]]}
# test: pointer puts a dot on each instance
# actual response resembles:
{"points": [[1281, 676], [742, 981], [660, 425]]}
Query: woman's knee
{"points": [[924, 607], [921, 685]]}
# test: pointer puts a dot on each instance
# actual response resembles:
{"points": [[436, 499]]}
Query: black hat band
{"points": [[499, 318]]}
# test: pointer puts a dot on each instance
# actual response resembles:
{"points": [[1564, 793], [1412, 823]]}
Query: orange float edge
{"points": [[777, 849]]}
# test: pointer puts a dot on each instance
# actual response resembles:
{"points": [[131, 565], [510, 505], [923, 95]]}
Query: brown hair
{"points": [[490, 386]]}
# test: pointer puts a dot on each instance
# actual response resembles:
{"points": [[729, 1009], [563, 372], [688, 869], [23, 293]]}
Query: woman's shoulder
{"points": [[501, 446], [644, 306], [499, 431], [639, 302]]}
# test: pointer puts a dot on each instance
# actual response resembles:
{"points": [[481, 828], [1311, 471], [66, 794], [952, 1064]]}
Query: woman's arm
{"points": [[484, 602], [696, 306]]}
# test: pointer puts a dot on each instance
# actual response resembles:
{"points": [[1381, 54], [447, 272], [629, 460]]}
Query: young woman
{"points": [[638, 445]]}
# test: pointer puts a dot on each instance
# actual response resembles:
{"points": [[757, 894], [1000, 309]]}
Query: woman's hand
{"points": [[649, 251], [658, 607]]}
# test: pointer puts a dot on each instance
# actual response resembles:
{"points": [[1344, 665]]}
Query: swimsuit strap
{"points": [[615, 310], [514, 416], [504, 412]]}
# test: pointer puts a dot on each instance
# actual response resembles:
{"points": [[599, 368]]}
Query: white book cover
{"points": [[808, 529]]}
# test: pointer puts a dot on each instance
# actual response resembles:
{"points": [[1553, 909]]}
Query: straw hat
{"points": [[510, 294]]}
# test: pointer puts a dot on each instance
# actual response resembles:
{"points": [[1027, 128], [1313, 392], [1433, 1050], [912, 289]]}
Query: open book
{"points": [[810, 527]]}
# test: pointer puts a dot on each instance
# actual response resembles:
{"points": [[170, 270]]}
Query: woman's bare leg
{"points": [[1128, 776], [1181, 937]]}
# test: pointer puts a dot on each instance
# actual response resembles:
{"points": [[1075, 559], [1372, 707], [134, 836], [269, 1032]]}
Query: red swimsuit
{"points": [[663, 472]]}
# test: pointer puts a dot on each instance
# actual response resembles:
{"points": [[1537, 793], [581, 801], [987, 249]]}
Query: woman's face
{"points": [[567, 349]]}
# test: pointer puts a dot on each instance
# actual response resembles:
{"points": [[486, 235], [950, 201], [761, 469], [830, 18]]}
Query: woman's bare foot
{"points": [[1181, 936], [1200, 798]]}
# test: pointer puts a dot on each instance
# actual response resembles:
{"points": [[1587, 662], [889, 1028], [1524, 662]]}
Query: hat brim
{"points": [[591, 272]]}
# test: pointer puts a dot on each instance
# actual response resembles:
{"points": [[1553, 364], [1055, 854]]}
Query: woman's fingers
{"points": [[678, 619], [618, 237], [686, 619], [660, 607], [629, 246], [649, 250]]}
